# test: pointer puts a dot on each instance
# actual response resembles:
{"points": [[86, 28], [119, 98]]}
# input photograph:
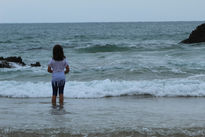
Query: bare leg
{"points": [[61, 100], [54, 100]]}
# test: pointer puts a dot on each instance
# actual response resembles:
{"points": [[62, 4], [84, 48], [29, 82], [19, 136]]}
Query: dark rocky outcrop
{"points": [[13, 59], [37, 64], [5, 64], [198, 35]]}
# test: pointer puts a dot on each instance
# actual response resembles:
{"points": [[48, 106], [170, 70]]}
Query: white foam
{"points": [[103, 88], [18, 67]]}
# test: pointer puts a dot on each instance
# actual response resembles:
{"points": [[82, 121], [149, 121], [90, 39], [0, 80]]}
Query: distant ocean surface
{"points": [[106, 59]]}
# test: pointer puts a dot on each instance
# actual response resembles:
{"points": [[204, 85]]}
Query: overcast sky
{"points": [[28, 11]]}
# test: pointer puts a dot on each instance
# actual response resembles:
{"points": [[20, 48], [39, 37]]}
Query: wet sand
{"points": [[117, 116]]}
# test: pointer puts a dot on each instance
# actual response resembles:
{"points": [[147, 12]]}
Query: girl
{"points": [[58, 66]]}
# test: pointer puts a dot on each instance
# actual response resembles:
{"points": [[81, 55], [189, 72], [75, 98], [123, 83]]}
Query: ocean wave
{"points": [[189, 87], [15, 40], [148, 45], [138, 132], [6, 42], [37, 48], [103, 48], [16, 68]]}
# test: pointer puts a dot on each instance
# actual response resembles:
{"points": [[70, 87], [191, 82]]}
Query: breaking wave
{"points": [[189, 87], [103, 48]]}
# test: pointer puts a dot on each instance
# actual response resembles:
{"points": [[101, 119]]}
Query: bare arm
{"points": [[67, 69], [50, 70]]}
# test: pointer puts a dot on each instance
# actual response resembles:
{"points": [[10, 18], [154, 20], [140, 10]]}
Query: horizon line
{"points": [[63, 22]]}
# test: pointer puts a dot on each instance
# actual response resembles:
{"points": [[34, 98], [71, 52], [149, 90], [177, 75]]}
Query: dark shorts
{"points": [[58, 87]]}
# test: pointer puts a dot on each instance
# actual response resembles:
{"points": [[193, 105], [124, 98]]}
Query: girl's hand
{"points": [[67, 69], [50, 70]]}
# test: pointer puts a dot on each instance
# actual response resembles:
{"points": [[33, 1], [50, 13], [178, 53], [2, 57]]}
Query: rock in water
{"points": [[15, 59], [37, 64], [4, 64], [198, 35]]}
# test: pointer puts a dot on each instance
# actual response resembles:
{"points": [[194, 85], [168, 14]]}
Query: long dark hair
{"points": [[58, 53]]}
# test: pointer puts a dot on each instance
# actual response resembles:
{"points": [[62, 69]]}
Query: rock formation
{"points": [[13, 59], [4, 62], [37, 64], [198, 35]]}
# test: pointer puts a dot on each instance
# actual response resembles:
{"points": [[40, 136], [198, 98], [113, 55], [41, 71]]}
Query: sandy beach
{"points": [[118, 116]]}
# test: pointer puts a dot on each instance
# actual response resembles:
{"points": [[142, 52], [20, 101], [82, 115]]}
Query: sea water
{"points": [[142, 59], [106, 59]]}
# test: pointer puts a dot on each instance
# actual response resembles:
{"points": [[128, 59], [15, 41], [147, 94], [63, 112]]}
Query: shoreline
{"points": [[106, 116]]}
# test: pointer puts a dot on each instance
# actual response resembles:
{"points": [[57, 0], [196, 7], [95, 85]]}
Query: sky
{"points": [[48, 11]]}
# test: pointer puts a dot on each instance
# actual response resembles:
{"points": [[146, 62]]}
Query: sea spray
{"points": [[104, 88]]}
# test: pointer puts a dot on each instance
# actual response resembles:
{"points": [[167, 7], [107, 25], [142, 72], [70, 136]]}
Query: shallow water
{"points": [[104, 117], [126, 79]]}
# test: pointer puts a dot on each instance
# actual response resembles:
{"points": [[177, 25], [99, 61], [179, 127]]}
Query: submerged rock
{"points": [[14, 59], [5, 64], [198, 35], [37, 64]]}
